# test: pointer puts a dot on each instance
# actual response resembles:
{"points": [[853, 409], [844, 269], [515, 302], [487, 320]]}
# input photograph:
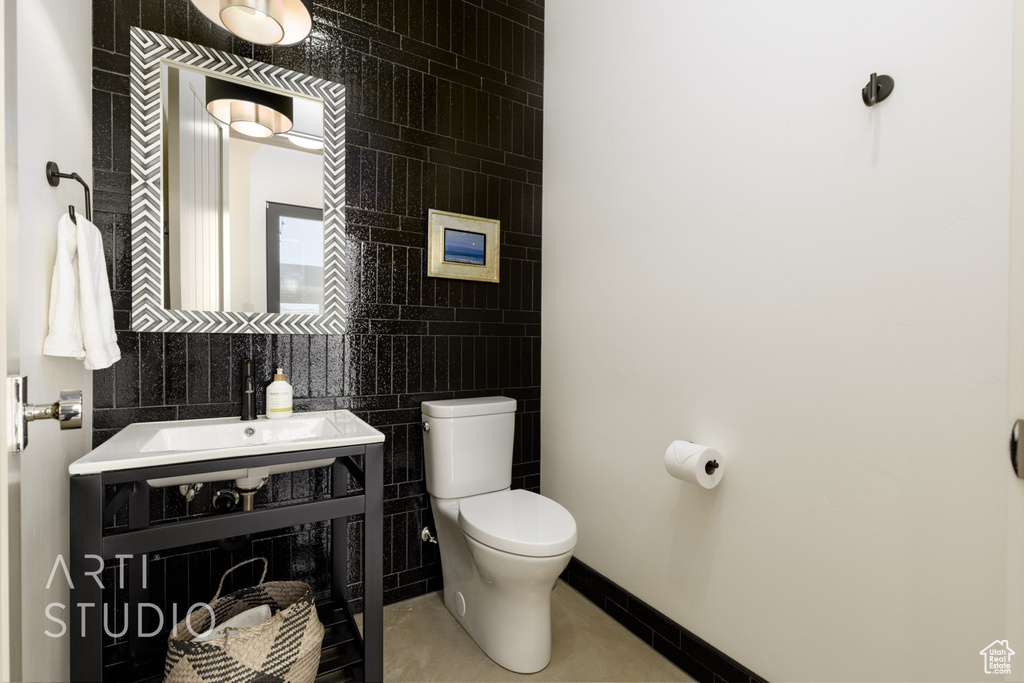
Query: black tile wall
{"points": [[697, 657], [445, 101]]}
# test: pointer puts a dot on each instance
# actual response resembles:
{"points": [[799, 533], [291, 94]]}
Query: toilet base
{"points": [[502, 600]]}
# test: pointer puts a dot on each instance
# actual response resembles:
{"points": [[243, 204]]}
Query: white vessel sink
{"points": [[149, 444]]}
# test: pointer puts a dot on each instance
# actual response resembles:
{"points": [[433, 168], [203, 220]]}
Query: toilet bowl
{"points": [[501, 550]]}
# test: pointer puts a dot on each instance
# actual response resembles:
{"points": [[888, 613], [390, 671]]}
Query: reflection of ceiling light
{"points": [[267, 22], [305, 140], [249, 111]]}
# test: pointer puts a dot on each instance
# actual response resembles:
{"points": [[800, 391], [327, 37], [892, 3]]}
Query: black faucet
{"points": [[248, 390]]}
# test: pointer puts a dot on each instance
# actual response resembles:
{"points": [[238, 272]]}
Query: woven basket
{"points": [[285, 648]]}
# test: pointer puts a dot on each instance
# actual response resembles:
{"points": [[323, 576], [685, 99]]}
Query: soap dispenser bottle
{"points": [[279, 397]]}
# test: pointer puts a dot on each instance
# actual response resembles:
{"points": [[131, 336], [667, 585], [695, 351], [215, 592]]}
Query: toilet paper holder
{"points": [[694, 463]]}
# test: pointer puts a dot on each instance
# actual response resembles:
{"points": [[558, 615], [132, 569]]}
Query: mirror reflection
{"points": [[243, 196]]}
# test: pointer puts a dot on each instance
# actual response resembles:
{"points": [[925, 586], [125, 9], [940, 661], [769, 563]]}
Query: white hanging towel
{"points": [[65, 335], [81, 312]]}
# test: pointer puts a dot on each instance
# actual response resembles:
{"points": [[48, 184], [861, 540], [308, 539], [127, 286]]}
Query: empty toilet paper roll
{"points": [[701, 465]]}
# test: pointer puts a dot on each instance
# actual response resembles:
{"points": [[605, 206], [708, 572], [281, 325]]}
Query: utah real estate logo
{"points": [[997, 657]]}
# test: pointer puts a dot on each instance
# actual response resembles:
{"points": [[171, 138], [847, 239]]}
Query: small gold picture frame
{"points": [[462, 247]]}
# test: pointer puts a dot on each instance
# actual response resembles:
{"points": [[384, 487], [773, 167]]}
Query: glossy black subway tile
{"points": [[430, 21], [222, 390], [175, 368], [430, 103], [300, 371], [151, 370], [415, 27], [318, 366], [103, 382], [126, 371], [152, 16], [494, 39], [444, 23], [121, 143], [198, 367], [483, 37]]}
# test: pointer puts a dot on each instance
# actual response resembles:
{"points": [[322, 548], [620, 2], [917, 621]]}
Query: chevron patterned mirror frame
{"points": [[148, 51]]}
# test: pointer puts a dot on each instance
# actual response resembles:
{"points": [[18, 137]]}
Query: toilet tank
{"points": [[467, 449]]}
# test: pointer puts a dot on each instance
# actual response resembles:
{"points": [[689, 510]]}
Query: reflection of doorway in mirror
{"points": [[262, 174], [295, 259]]}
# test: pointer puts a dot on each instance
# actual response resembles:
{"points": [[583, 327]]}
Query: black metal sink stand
{"points": [[89, 541]]}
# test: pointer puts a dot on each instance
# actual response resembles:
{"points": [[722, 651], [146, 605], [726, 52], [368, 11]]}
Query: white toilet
{"points": [[501, 550]]}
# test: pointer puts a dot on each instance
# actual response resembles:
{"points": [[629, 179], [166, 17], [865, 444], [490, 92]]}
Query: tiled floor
{"points": [[423, 642]]}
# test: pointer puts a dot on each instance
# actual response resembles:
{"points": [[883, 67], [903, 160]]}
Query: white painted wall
{"points": [[738, 252], [261, 173], [48, 118], [7, 557]]}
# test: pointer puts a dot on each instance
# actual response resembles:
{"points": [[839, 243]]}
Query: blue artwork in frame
{"points": [[461, 246]]}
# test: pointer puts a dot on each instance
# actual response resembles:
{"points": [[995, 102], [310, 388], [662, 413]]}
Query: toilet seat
{"points": [[519, 522]]}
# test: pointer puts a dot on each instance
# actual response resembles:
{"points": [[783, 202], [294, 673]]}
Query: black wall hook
{"points": [[877, 89]]}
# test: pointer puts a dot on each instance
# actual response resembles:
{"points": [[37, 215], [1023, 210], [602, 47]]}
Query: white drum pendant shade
{"points": [[261, 20], [266, 22], [249, 111]]}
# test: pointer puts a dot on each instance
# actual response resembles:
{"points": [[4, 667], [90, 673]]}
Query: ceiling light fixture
{"points": [[249, 111], [267, 22]]}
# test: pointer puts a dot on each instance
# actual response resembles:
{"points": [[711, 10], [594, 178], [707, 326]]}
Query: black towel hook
{"points": [[53, 176], [877, 89]]}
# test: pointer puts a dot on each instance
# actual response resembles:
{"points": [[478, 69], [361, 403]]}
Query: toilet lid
{"points": [[519, 522]]}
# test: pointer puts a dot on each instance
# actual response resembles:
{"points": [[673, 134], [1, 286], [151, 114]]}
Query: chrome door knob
{"points": [[67, 411]]}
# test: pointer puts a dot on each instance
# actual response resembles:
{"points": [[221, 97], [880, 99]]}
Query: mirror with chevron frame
{"points": [[238, 193]]}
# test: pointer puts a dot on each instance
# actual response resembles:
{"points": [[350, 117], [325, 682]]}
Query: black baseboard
{"points": [[696, 657]]}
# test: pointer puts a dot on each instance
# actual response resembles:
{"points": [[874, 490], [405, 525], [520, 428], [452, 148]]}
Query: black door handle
{"points": [[1015, 435]]}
